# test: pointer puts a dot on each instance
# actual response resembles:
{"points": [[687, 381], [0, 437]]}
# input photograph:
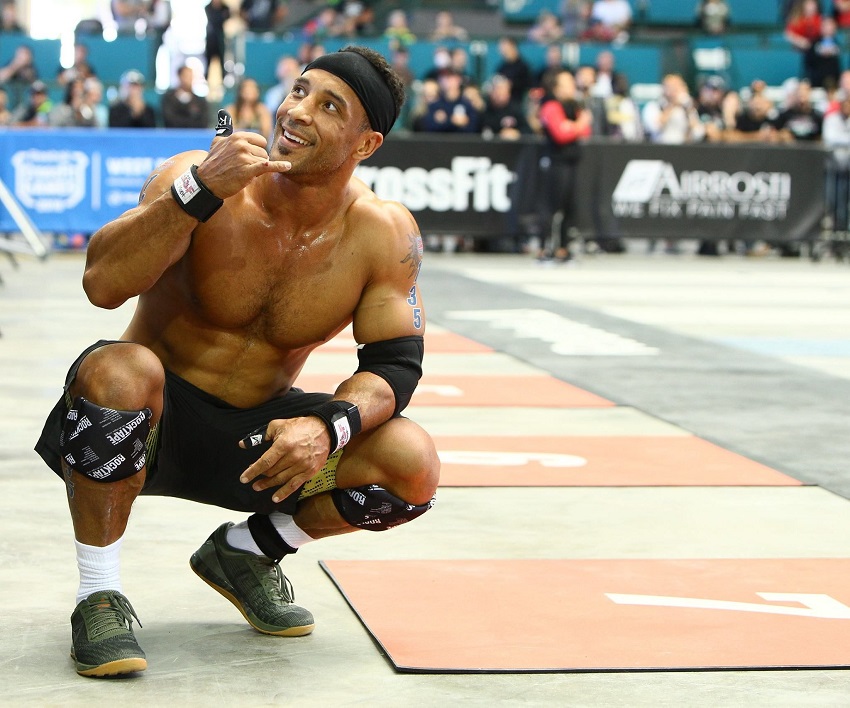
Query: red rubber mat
{"points": [[602, 615], [608, 461], [471, 390]]}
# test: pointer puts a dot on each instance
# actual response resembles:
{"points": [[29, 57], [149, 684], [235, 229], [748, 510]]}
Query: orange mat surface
{"points": [[602, 615], [597, 462], [471, 390]]}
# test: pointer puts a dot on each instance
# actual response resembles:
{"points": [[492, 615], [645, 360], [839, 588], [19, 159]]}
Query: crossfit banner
{"points": [[750, 192]]}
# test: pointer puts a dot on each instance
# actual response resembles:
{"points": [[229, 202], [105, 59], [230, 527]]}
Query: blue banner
{"points": [[78, 179]]}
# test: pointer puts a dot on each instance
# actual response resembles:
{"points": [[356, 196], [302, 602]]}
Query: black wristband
{"points": [[342, 420], [193, 196]]}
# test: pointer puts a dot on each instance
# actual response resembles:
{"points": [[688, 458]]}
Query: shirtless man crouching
{"points": [[245, 261]]}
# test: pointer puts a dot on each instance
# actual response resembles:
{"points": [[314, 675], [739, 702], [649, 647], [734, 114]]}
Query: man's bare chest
{"points": [[289, 299]]}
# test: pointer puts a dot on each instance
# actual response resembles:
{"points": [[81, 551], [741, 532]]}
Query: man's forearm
{"points": [[128, 255]]}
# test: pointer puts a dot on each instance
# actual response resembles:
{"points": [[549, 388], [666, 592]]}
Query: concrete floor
{"points": [[775, 328]]}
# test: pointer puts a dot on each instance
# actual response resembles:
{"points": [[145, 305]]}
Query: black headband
{"points": [[365, 80]]}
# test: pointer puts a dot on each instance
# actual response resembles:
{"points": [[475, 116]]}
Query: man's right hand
{"points": [[235, 159]]}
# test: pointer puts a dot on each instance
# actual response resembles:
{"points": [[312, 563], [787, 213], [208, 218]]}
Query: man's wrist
{"points": [[342, 420], [193, 196]]}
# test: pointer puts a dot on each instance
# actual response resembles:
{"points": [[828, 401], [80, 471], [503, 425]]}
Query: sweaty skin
{"points": [[299, 250]]}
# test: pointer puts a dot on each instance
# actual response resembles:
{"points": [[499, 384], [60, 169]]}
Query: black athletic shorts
{"points": [[193, 452]]}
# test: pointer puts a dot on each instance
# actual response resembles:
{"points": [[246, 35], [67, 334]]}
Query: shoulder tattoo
{"points": [[413, 258], [145, 187]]}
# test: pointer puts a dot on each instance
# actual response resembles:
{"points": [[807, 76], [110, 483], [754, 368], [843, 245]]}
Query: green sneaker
{"points": [[255, 584], [103, 643]]}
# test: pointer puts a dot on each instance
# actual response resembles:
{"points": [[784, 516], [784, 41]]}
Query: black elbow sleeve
{"points": [[398, 361]]}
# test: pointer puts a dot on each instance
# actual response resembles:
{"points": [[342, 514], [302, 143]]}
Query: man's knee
{"points": [[409, 473], [125, 376]]}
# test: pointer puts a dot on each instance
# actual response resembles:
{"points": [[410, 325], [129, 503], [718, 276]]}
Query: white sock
{"points": [[289, 531], [239, 535], [100, 568]]}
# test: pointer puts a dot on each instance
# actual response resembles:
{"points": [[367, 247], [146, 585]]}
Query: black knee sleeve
{"points": [[373, 508], [104, 444]]}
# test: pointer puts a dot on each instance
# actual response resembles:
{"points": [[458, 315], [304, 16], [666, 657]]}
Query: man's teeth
{"points": [[290, 136]]}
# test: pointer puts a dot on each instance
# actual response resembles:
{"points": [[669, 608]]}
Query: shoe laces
{"points": [[108, 613], [275, 583]]}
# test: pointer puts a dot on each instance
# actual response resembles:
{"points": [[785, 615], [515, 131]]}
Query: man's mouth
{"points": [[294, 138]]}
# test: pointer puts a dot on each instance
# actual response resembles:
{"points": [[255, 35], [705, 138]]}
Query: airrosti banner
{"points": [[775, 193], [76, 180]]}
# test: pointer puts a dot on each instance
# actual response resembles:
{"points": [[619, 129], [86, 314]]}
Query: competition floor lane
{"points": [[199, 653]]}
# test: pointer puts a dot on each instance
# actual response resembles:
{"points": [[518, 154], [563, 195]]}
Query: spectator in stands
{"points": [[426, 95], [80, 69], [803, 30], [575, 15], [215, 45], [398, 30], [514, 68], [588, 93], [73, 111], [181, 107], [673, 119], [713, 16], [359, 16], [842, 91], [825, 62], [131, 110], [606, 74], [502, 116], [127, 13], [622, 116], [459, 61], [452, 112], [5, 113], [553, 62], [93, 90], [841, 13], [327, 24], [546, 28], [442, 59], [263, 15], [286, 71], [445, 28], [610, 21], [33, 112], [755, 122], [400, 62], [19, 74], [9, 22], [248, 111], [800, 119], [709, 107], [836, 137], [565, 123]]}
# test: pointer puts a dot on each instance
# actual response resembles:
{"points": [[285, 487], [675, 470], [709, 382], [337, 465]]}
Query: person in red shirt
{"points": [[841, 13], [803, 30], [564, 122]]}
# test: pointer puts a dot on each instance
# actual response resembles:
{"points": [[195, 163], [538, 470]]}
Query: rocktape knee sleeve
{"points": [[373, 508], [104, 444]]}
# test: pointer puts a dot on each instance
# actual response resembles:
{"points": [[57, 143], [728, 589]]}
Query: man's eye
{"points": [[331, 106]]}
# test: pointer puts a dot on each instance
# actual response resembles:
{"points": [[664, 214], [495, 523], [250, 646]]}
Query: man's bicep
{"points": [[391, 304]]}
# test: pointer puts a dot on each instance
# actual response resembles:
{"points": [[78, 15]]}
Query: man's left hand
{"points": [[300, 447]]}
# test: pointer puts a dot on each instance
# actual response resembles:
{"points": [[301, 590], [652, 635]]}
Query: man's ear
{"points": [[370, 142]]}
